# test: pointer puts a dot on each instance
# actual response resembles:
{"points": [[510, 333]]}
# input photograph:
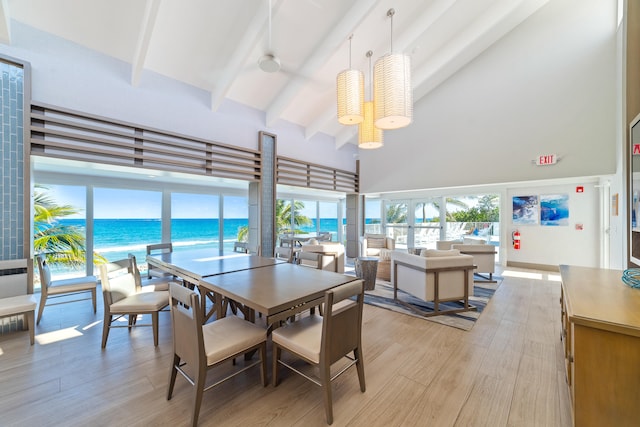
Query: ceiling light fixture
{"points": [[369, 136], [350, 94], [392, 88]]}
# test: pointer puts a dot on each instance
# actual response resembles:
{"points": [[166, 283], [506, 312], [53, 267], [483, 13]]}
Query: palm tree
{"points": [[397, 213], [62, 244], [282, 218], [449, 201]]}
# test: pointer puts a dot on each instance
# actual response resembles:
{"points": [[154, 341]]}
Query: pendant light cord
{"points": [[390, 14]]}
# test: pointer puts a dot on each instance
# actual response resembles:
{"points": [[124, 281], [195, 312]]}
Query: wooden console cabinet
{"points": [[601, 335]]}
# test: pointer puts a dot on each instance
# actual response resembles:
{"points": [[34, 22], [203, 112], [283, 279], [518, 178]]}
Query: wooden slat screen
{"points": [[72, 135], [309, 175]]}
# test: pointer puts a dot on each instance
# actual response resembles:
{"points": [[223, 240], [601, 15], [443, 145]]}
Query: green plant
{"points": [[62, 244]]}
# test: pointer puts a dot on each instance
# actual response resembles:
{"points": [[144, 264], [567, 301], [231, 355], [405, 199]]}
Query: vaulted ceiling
{"points": [[215, 45]]}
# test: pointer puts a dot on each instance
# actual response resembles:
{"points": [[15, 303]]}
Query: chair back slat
{"points": [[186, 324], [45, 273], [117, 283], [342, 323]]}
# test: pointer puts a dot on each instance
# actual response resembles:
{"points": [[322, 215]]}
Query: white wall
{"points": [[554, 245], [549, 86], [68, 75]]}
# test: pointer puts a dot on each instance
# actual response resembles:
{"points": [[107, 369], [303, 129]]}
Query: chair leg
{"points": [[199, 390], [276, 353], [263, 363], [43, 300], [325, 380], [154, 323], [106, 325], [172, 375], [357, 353], [30, 318], [93, 298]]}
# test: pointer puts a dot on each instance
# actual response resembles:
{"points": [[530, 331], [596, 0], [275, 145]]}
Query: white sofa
{"points": [[435, 275], [484, 255], [332, 254]]}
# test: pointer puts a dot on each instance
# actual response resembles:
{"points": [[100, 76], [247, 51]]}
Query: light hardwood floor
{"points": [[507, 371]]}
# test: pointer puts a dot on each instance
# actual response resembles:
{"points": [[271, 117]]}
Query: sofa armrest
{"points": [[484, 256], [363, 246], [390, 243]]}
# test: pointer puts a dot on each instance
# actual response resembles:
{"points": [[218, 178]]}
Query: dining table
{"points": [[193, 265], [252, 283], [278, 292]]}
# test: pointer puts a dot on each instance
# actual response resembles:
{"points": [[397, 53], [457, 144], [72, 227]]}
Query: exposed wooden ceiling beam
{"points": [[5, 22], [144, 39]]}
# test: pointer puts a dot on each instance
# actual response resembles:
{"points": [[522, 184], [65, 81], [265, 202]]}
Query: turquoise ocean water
{"points": [[116, 238]]}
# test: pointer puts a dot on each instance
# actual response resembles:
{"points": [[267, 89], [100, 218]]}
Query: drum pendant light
{"points": [[369, 136], [350, 94], [392, 88]]}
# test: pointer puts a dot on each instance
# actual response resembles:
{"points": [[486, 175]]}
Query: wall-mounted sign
{"points": [[546, 159], [636, 149]]}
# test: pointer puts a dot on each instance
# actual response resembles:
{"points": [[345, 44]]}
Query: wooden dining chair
{"points": [[123, 296], [149, 284], [323, 340], [202, 347], [284, 253], [309, 259], [156, 249], [50, 289]]}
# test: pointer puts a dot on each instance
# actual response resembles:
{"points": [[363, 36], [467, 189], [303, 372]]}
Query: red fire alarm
{"points": [[579, 189]]}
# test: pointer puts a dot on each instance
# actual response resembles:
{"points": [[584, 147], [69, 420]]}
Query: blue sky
{"points": [[112, 203], [116, 203]]}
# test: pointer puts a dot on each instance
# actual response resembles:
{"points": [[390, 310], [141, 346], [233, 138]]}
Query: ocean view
{"points": [[116, 238]]}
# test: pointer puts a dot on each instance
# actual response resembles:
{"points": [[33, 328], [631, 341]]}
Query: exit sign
{"points": [[546, 159]]}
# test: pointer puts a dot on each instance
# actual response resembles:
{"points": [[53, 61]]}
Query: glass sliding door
{"points": [[426, 224], [397, 222]]}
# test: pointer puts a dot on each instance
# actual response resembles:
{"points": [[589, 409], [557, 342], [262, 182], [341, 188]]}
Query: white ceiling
{"points": [[215, 44]]}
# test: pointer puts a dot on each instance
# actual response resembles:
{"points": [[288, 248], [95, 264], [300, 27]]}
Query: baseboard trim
{"points": [[532, 266]]}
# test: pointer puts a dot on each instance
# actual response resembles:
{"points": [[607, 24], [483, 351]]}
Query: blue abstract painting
{"points": [[554, 209], [525, 209]]}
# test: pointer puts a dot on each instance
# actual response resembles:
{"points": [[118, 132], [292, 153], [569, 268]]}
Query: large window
{"points": [[236, 221], [194, 221], [373, 216], [126, 221], [59, 224], [328, 219]]}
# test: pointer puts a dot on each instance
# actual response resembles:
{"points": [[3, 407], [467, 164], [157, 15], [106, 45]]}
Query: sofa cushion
{"points": [[439, 253], [473, 241], [374, 242]]}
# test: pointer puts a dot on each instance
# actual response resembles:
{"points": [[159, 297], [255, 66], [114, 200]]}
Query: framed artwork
{"points": [[525, 210], [554, 209], [614, 205]]}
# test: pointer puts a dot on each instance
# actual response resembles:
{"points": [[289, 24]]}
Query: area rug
{"points": [[382, 296]]}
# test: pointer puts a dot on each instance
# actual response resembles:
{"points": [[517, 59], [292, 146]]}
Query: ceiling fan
{"points": [[269, 62]]}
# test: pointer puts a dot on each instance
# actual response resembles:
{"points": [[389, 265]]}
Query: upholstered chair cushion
{"points": [[141, 302], [303, 337], [230, 335]]}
